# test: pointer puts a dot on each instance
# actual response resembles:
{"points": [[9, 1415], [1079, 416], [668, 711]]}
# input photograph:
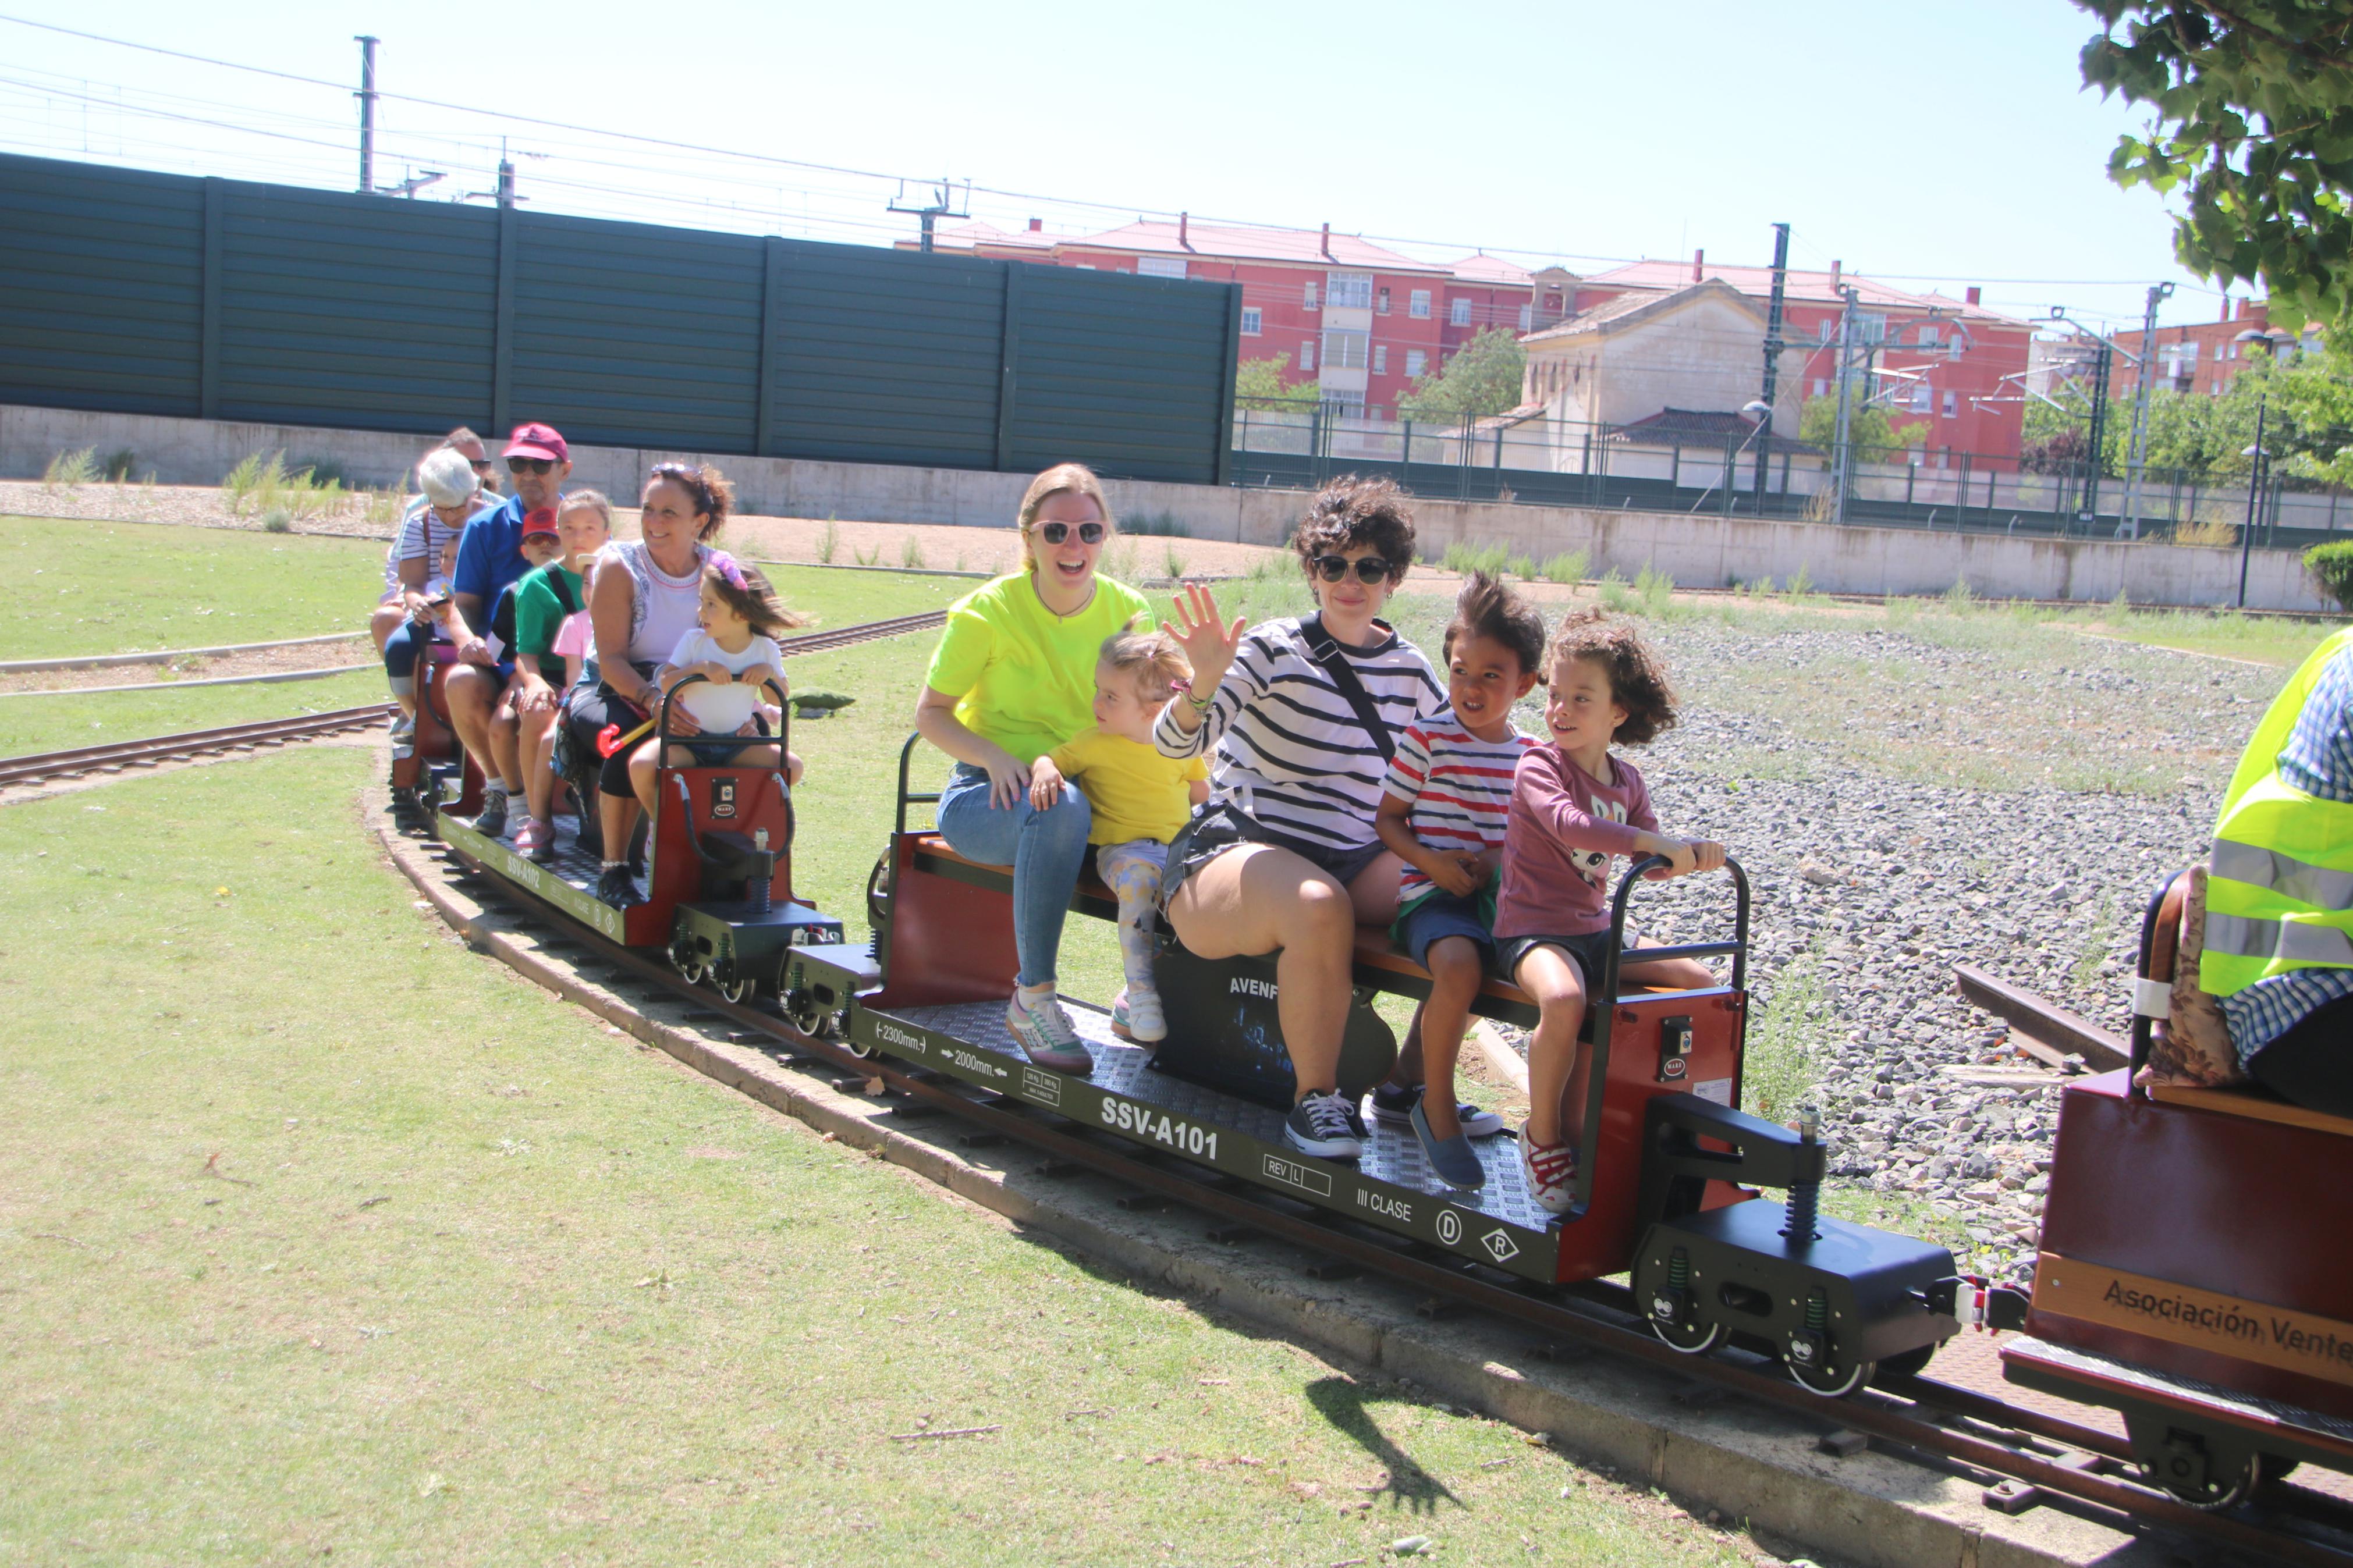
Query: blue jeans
{"points": [[1047, 849]]}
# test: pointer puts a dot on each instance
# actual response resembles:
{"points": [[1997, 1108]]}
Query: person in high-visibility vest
{"points": [[2279, 892]]}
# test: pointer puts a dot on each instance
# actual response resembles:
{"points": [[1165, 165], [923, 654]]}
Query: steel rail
{"points": [[1466, 1284], [34, 767], [37, 766]]}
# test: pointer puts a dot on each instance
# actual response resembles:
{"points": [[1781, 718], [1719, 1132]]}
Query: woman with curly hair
{"points": [[1300, 714]]}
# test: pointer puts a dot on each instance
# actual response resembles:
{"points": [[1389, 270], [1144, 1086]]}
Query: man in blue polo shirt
{"points": [[489, 556]]}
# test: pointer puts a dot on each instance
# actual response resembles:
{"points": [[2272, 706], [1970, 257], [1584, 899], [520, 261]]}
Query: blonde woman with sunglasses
{"points": [[1012, 679]]}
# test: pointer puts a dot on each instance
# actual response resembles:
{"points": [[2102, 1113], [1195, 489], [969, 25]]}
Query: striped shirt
{"points": [[421, 536], [2317, 760], [1288, 748], [1458, 787]]}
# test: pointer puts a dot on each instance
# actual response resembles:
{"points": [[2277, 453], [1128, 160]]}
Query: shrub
{"points": [[2331, 568], [117, 465], [1789, 1045], [1157, 525], [869, 558], [1173, 559], [327, 471], [911, 552], [1616, 597], [1568, 567], [2210, 533], [1465, 557], [1522, 567], [1960, 595], [262, 484], [277, 520], [72, 468], [1652, 591], [1802, 581], [828, 540]]}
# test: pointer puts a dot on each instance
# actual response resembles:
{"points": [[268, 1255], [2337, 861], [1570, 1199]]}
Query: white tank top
{"points": [[666, 607]]}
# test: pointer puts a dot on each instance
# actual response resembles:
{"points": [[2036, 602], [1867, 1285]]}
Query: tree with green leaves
{"points": [[1872, 427], [1258, 384], [2253, 126], [1481, 378]]}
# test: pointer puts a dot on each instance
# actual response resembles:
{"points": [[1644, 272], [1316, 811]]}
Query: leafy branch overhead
{"points": [[2254, 127]]}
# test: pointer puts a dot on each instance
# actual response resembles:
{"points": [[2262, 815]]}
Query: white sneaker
{"points": [[1046, 1037], [1136, 1014], [1550, 1170]]}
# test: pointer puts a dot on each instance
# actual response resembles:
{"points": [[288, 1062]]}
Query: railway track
{"points": [[266, 733], [2020, 1455]]}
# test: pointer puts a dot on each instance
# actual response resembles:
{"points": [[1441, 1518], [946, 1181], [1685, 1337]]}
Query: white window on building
{"points": [[1346, 350], [1821, 388], [1952, 405], [1415, 359], [1920, 397], [1251, 321], [1160, 266], [1928, 337], [1307, 354], [1417, 304], [1381, 302], [1380, 359], [1459, 314], [1349, 290], [1828, 330], [1311, 293], [1953, 349], [1527, 317]]}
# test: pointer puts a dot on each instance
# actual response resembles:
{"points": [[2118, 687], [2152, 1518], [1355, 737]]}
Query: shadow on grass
{"points": [[1341, 1401]]}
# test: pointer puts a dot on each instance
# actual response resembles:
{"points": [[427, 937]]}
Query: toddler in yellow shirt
{"points": [[1139, 797]]}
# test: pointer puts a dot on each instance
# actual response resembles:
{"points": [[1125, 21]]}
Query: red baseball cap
{"points": [[538, 441], [542, 522]]}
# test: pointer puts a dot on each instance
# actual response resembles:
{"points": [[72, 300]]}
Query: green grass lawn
{"points": [[63, 722], [336, 1235], [120, 587]]}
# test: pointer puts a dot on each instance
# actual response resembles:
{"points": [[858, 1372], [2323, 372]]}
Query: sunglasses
{"points": [[1368, 568], [531, 465], [482, 465], [1055, 533]]}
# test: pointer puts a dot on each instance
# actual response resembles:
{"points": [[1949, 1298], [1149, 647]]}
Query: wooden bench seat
{"points": [[2259, 1104], [1380, 962]]}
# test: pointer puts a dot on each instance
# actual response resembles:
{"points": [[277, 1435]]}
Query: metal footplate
{"points": [[1390, 1187]]}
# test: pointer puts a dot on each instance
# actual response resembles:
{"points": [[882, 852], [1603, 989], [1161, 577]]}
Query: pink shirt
{"points": [[1565, 827]]}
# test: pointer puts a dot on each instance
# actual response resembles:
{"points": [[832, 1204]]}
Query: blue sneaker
{"points": [[1449, 1158], [1396, 1103]]}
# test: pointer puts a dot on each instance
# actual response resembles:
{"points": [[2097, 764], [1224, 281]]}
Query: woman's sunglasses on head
{"points": [[1368, 568], [530, 465], [1055, 533]]}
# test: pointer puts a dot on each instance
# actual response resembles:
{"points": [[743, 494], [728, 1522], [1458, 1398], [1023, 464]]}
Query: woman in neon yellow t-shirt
{"points": [[1012, 679]]}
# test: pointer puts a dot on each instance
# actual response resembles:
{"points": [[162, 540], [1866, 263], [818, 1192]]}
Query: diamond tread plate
{"points": [[1392, 1154]]}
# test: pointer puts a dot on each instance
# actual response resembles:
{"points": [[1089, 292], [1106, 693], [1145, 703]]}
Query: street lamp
{"points": [[2274, 341]]}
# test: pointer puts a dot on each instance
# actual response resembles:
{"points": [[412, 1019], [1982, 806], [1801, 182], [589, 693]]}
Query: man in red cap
{"points": [[490, 557]]}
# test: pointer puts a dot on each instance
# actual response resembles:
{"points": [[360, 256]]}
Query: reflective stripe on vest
{"points": [[2279, 892]]}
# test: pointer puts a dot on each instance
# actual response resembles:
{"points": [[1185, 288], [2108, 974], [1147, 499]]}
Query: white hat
{"points": [[448, 477]]}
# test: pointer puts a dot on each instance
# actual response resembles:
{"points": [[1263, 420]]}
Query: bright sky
{"points": [[1930, 144]]}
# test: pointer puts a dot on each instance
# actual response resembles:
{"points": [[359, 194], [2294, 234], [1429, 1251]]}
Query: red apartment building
{"points": [[1965, 364], [1363, 321], [2204, 359]]}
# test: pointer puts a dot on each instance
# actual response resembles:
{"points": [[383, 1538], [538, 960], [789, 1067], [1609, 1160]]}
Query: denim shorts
{"points": [[1219, 826], [1591, 950], [1438, 915]]}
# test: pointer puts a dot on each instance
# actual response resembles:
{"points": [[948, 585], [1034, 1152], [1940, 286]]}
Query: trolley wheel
{"points": [[1909, 1364], [737, 992], [1815, 1381], [878, 891], [802, 1011], [689, 964], [1690, 1342], [2181, 1469]]}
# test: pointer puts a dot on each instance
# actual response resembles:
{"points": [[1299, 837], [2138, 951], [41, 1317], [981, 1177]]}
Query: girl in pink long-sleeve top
{"points": [[1575, 807]]}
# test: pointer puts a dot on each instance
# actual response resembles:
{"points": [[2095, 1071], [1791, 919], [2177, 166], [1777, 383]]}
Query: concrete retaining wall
{"points": [[1701, 551]]}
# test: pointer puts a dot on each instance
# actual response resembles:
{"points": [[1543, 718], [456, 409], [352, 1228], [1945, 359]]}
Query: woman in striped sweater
{"points": [[1284, 858]]}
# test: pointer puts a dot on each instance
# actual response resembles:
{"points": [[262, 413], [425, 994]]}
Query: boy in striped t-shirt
{"points": [[1443, 808]]}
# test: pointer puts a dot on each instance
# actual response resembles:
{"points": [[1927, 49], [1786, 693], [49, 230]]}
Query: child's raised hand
{"points": [[1209, 642], [1045, 783]]}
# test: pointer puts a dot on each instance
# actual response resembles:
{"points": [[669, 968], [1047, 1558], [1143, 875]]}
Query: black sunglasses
{"points": [[1369, 568], [533, 464], [1055, 533]]}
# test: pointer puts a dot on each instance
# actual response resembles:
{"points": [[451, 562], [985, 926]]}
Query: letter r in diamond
{"points": [[1499, 1246]]}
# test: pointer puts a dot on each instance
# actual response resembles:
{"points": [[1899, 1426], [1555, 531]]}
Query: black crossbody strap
{"points": [[564, 593], [1326, 653]]}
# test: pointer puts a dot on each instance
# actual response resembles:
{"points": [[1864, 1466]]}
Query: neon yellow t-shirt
{"points": [[1023, 676], [1134, 791]]}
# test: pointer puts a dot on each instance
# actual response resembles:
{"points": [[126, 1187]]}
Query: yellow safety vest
{"points": [[2279, 890]]}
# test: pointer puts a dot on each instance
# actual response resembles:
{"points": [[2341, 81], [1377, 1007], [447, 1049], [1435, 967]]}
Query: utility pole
{"points": [[2139, 460], [1772, 350], [366, 95], [2103, 364], [1842, 449], [506, 182], [942, 204]]}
